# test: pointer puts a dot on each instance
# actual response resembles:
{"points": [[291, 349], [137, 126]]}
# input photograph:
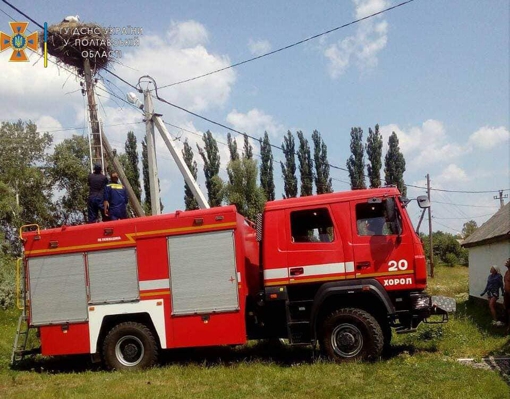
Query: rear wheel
{"points": [[130, 346], [351, 334]]}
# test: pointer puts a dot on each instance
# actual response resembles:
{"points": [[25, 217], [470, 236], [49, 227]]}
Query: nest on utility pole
{"points": [[71, 42]]}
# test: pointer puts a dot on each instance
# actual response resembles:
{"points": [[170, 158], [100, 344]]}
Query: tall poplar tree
{"points": [[305, 165], [356, 162], [234, 155], [247, 148], [374, 151], [395, 165], [266, 168], [189, 199], [132, 171], [289, 167], [232, 147], [211, 157], [323, 182]]}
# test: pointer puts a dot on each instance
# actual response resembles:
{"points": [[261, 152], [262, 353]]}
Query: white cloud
{"points": [[255, 122], [173, 58], [369, 7], [259, 47], [426, 145], [364, 46], [30, 91], [187, 34], [452, 173], [489, 137]]}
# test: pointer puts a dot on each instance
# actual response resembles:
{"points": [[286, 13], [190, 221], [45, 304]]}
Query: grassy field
{"points": [[420, 365]]}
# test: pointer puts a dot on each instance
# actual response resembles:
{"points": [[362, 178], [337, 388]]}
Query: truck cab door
{"points": [[314, 246], [382, 244]]}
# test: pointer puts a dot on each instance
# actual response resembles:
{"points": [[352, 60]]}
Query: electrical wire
{"points": [[290, 45]]}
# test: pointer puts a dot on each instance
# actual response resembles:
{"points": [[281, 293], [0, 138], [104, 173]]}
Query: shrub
{"points": [[451, 259], [7, 282]]}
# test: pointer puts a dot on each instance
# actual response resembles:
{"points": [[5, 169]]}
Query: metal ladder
{"points": [[19, 348]]}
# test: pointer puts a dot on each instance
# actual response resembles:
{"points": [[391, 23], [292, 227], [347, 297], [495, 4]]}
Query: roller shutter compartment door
{"points": [[58, 291], [113, 276], [203, 273]]}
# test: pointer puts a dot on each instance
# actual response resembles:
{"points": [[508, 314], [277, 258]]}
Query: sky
{"points": [[434, 72]]}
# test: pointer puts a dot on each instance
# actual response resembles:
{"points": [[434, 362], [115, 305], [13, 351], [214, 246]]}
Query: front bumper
{"points": [[421, 308]]}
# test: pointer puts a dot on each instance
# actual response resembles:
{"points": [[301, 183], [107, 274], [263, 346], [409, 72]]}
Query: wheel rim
{"points": [[347, 340], [129, 350]]}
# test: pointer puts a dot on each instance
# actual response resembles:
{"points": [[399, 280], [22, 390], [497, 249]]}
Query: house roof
{"points": [[495, 229]]}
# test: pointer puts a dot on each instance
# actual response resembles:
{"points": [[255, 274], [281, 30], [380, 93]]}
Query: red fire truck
{"points": [[339, 270]]}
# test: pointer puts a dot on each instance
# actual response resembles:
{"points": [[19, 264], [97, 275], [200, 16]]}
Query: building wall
{"points": [[481, 259]]}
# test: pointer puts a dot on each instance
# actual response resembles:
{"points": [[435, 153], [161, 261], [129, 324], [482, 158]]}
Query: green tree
{"points": [[23, 156], [289, 168], [266, 168], [131, 169], [69, 169], [305, 165], [232, 147], [468, 228], [374, 151], [395, 165], [323, 182], [189, 199], [234, 154], [243, 191], [356, 162], [247, 148], [447, 249], [211, 157]]}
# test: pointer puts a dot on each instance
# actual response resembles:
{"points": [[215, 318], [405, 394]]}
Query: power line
{"points": [[458, 191], [468, 217], [290, 45], [471, 206]]}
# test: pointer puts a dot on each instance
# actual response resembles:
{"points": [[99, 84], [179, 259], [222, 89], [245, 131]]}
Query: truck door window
{"points": [[371, 220], [312, 225]]}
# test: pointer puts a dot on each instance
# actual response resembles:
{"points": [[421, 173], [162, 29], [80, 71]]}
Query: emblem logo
{"points": [[19, 42]]}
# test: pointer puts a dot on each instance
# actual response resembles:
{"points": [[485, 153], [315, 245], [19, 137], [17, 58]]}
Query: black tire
{"points": [[130, 346], [351, 334]]}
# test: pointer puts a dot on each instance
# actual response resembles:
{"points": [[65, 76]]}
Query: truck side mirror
{"points": [[423, 201]]}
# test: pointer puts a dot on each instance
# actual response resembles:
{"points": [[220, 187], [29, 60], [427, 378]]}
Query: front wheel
{"points": [[351, 334], [130, 346]]}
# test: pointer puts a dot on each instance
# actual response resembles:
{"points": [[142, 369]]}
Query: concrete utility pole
{"points": [[430, 231], [500, 197], [179, 160], [151, 153]]}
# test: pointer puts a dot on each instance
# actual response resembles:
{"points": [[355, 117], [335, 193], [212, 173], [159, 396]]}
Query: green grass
{"points": [[420, 365]]}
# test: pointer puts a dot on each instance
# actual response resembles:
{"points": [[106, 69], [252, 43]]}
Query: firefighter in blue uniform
{"points": [[115, 199]]}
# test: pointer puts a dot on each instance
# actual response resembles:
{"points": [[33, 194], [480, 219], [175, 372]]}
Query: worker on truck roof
{"points": [[115, 199], [97, 182]]}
